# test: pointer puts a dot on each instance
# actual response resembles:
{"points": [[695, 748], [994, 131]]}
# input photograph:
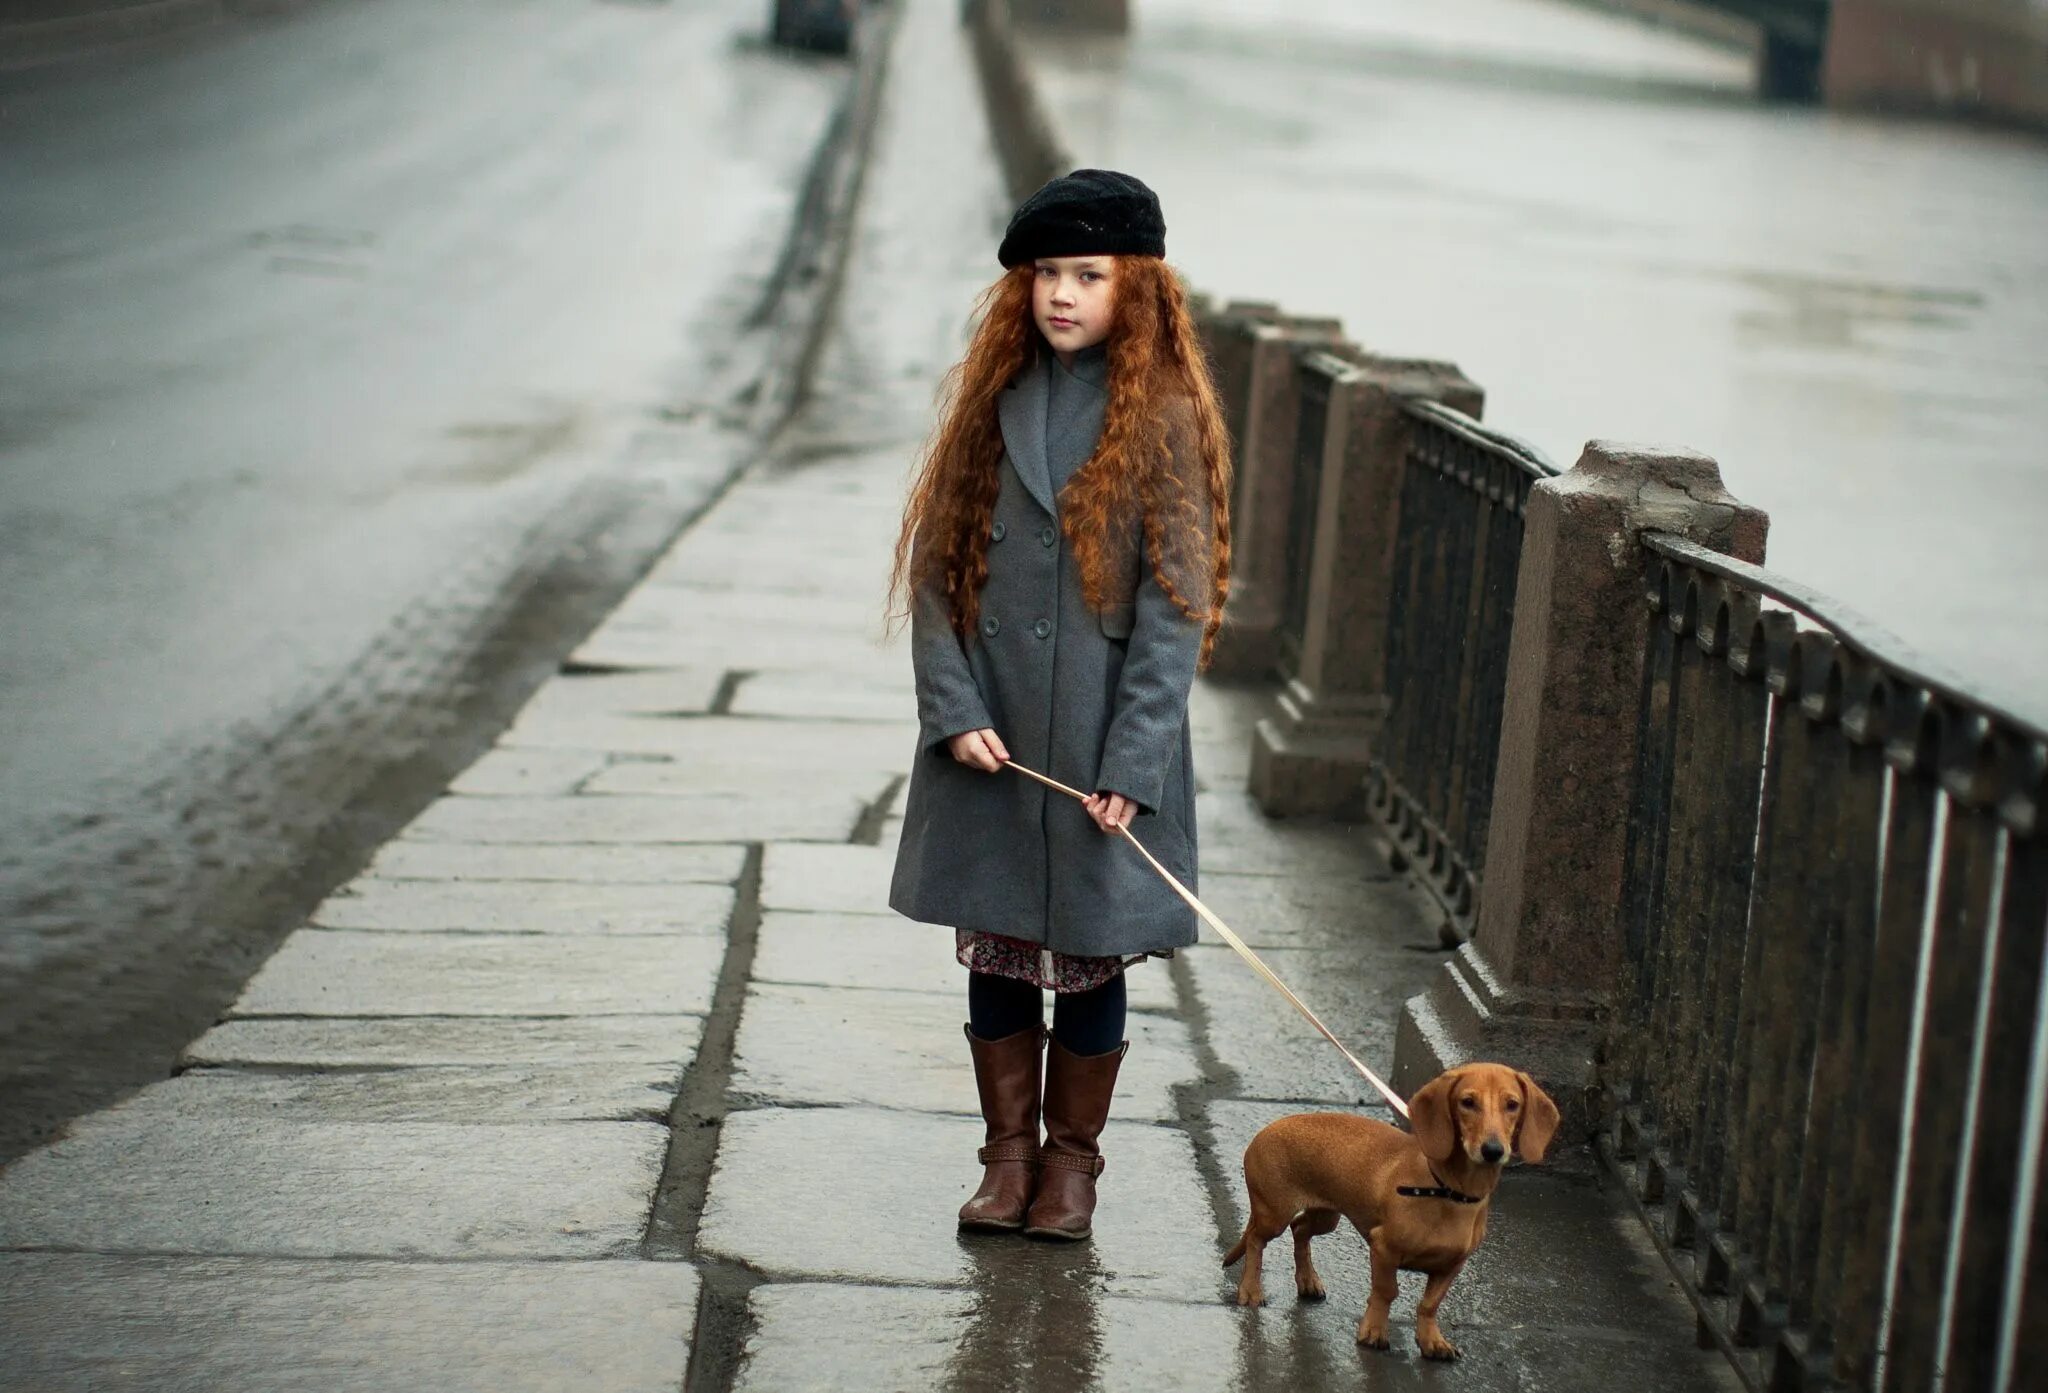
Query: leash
{"points": [[1244, 951]]}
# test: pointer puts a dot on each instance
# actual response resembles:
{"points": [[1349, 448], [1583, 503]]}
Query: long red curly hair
{"points": [[1162, 464]]}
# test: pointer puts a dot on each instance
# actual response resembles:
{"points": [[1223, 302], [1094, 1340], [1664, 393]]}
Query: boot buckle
{"points": [[1024, 1151]]}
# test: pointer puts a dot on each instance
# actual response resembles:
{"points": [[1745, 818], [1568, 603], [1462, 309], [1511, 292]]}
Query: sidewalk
{"points": [[427, 1148]]}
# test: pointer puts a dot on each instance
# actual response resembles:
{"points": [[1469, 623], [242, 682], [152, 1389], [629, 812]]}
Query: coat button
{"points": [[991, 626], [1042, 628], [997, 532], [1048, 536]]}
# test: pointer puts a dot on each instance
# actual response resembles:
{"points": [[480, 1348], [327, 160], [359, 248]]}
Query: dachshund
{"points": [[1421, 1200]]}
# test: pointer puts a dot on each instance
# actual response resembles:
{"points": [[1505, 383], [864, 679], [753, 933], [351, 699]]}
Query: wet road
{"points": [[1594, 221], [354, 359], [421, 1152]]}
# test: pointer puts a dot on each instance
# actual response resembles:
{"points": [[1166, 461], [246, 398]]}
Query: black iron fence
{"points": [[1452, 606], [1828, 1057]]}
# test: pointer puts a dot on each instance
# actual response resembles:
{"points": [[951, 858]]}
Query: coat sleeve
{"points": [[1166, 645], [949, 701]]}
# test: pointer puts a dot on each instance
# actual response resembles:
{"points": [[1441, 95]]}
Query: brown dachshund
{"points": [[1420, 1200]]}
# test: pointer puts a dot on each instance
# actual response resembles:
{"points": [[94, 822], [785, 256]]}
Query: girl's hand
{"points": [[979, 749], [1110, 810]]}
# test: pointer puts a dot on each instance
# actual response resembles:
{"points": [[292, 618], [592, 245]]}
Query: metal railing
{"points": [[1827, 1058], [1463, 491]]}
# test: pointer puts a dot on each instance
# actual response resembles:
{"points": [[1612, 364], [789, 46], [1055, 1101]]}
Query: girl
{"points": [[1064, 560]]}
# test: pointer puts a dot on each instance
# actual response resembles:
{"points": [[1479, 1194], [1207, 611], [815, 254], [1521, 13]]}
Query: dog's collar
{"points": [[1438, 1191]]}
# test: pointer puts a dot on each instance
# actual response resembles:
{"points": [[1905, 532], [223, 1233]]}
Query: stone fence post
{"points": [[1227, 338], [1530, 987], [1266, 420], [1309, 755]]}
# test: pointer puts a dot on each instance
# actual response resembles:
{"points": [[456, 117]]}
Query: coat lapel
{"points": [[1020, 412]]}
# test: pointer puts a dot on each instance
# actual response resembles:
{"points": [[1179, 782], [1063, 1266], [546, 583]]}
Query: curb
{"points": [[1026, 141], [796, 308]]}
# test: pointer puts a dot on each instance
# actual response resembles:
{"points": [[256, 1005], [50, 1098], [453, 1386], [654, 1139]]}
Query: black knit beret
{"points": [[1091, 212]]}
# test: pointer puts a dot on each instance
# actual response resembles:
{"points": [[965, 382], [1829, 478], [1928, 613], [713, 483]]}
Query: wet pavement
{"points": [[358, 357], [426, 1149], [1596, 222]]}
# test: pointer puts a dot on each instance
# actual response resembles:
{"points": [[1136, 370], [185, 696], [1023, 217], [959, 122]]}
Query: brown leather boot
{"points": [[1077, 1089], [1007, 1072]]}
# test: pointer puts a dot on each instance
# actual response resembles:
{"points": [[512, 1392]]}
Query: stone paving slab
{"points": [[85, 1323], [893, 1049], [650, 650], [685, 817], [344, 972], [884, 952], [841, 879], [842, 565], [848, 511], [1217, 774], [583, 865], [529, 773], [687, 613], [1239, 839], [667, 691], [749, 630], [810, 694], [223, 1186], [767, 747], [845, 518], [744, 642], [912, 1338], [880, 1337], [1006, 1335], [768, 1208], [1277, 1055], [744, 776], [881, 952], [511, 907], [669, 1042], [727, 564], [1289, 912], [1226, 711], [581, 1092]]}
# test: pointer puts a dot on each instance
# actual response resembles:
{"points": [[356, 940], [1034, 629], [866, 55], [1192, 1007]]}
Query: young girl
{"points": [[1064, 559]]}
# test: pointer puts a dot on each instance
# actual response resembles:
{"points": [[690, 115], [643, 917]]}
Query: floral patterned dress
{"points": [[1037, 964]]}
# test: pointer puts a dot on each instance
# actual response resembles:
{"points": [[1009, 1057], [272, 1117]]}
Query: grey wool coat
{"points": [[1097, 701]]}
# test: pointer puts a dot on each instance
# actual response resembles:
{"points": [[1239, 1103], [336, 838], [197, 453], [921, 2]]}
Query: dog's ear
{"points": [[1539, 1121], [1429, 1113]]}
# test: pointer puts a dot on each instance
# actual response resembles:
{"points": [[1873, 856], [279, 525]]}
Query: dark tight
{"points": [[1086, 1023]]}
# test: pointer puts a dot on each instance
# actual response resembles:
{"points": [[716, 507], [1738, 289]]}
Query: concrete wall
{"points": [[1983, 57]]}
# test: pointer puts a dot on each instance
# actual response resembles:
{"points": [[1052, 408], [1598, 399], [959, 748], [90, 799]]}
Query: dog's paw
{"points": [[1310, 1288], [1439, 1348], [1250, 1296], [1373, 1336]]}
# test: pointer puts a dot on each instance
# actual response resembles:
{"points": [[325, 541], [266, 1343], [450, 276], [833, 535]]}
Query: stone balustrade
{"points": [[1759, 896]]}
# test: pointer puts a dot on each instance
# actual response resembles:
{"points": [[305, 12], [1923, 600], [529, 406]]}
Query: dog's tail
{"points": [[1237, 1248]]}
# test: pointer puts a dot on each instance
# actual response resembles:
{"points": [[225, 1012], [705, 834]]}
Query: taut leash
{"points": [[1243, 949]]}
